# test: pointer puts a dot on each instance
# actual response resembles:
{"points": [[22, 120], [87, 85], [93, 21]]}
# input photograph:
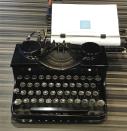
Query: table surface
{"points": [[18, 18]]}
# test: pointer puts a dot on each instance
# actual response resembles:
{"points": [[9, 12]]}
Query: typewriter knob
{"points": [[30, 46], [90, 51], [91, 48]]}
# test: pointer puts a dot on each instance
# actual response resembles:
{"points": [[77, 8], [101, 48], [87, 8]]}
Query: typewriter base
{"points": [[58, 119]]}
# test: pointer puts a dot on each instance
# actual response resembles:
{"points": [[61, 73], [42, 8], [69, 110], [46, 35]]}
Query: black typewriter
{"points": [[59, 82]]}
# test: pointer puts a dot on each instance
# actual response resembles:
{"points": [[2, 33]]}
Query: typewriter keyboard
{"points": [[70, 92]]}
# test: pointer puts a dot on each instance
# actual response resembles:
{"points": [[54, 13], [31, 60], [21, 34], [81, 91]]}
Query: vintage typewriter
{"points": [[60, 82]]}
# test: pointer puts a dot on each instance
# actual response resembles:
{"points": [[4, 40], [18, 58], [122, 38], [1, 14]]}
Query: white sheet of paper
{"points": [[81, 22]]}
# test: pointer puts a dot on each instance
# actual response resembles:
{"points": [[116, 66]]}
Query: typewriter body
{"points": [[59, 87], [59, 82]]}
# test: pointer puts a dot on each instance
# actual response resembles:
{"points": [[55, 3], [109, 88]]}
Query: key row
{"points": [[51, 84], [85, 102], [56, 77], [53, 92]]}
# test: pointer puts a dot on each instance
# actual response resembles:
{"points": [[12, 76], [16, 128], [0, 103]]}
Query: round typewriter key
{"points": [[19, 77], [72, 85], [100, 103], [82, 77], [70, 100], [92, 102], [89, 78], [74, 93], [38, 92], [62, 101], [65, 85], [59, 93], [37, 84], [48, 101], [23, 120], [68, 77], [41, 100], [95, 93], [26, 100], [81, 93], [40, 77], [30, 92], [29, 84], [23, 92], [58, 84], [52, 93], [48, 77], [30, 120], [78, 85], [77, 101], [45, 93], [67, 93], [26, 77], [97, 78], [61, 77], [22, 84], [18, 102], [54, 77], [55, 100], [16, 91], [76, 77], [86, 85], [44, 84], [29, 69], [33, 100], [51, 84], [88, 93], [93, 85], [34, 77], [84, 102]]}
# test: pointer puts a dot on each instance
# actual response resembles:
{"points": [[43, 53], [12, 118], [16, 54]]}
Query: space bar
{"points": [[55, 109]]}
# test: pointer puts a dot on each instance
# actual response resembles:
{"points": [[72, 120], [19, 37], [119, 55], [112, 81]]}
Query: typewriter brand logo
{"points": [[85, 24]]}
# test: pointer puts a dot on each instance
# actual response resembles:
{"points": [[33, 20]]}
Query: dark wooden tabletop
{"points": [[18, 18]]}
